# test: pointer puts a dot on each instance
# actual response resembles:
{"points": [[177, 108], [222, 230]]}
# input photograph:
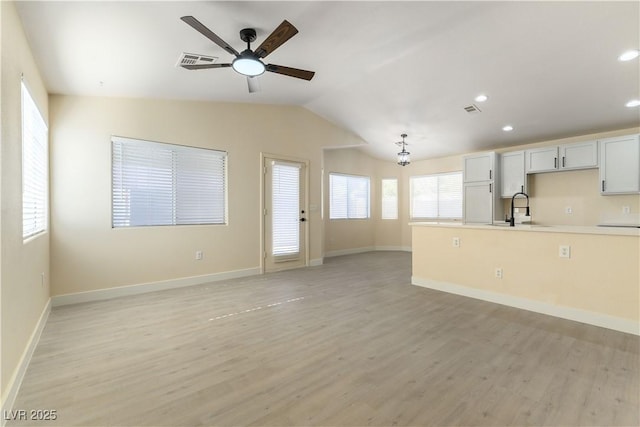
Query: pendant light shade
{"points": [[403, 156]]}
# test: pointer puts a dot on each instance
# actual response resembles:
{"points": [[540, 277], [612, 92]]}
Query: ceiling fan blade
{"points": [[204, 66], [284, 32], [254, 84], [199, 27], [291, 72]]}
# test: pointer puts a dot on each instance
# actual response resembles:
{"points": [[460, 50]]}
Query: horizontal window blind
{"points": [[436, 196], [34, 167], [163, 184], [348, 196], [286, 210], [390, 199]]}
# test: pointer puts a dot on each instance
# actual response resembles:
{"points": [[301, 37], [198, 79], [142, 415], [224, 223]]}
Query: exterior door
{"points": [[285, 215]]}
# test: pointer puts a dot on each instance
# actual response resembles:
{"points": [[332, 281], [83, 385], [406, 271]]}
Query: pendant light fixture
{"points": [[403, 156]]}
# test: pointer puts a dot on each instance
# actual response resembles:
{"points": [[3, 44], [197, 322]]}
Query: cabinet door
{"points": [[478, 203], [543, 159], [620, 165], [582, 155], [512, 175], [478, 167]]}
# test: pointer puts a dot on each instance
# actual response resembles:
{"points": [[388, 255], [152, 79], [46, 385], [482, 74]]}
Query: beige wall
{"points": [[87, 254], [601, 277], [23, 297], [344, 235]]}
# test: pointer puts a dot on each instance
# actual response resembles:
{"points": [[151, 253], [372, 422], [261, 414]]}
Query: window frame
{"points": [[438, 217], [368, 179], [44, 228], [225, 177]]}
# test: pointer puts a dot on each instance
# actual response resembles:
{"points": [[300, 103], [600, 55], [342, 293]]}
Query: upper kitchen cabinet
{"points": [[543, 159], [620, 165], [581, 155], [479, 167], [513, 178]]}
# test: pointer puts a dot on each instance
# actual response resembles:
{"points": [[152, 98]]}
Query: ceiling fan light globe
{"points": [[248, 66]]}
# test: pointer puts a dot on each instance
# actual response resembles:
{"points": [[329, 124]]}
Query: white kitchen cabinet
{"points": [[580, 155], [543, 159], [479, 167], [478, 202], [620, 165], [513, 178]]}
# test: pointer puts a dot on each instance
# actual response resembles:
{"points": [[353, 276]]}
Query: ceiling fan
{"points": [[249, 62]]}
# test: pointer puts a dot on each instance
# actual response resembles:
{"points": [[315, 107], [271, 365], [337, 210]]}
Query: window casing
{"points": [[157, 184], [35, 171], [389, 192], [436, 196], [349, 196]]}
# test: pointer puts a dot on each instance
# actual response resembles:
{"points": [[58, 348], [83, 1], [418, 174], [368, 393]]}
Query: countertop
{"points": [[502, 226]]}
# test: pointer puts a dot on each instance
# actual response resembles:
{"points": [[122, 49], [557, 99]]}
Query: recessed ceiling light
{"points": [[481, 98], [633, 103], [507, 128], [629, 55]]}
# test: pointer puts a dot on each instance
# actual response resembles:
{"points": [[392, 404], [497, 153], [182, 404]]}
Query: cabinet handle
{"points": [[490, 174], [490, 187], [603, 185], [555, 162], [562, 161], [522, 188]]}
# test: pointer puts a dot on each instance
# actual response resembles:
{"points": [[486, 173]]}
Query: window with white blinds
{"points": [[163, 184], [285, 205], [34, 167], [436, 196], [390, 198], [349, 196]]}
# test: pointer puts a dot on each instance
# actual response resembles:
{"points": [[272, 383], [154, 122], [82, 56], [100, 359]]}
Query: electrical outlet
{"points": [[568, 210], [456, 242], [42, 280], [626, 210], [498, 273], [564, 251], [199, 255]]}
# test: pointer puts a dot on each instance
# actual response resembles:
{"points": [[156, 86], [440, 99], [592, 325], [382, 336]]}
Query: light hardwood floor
{"points": [[349, 343]]}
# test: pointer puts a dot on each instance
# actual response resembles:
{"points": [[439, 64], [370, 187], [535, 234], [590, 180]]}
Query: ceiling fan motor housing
{"points": [[248, 35]]}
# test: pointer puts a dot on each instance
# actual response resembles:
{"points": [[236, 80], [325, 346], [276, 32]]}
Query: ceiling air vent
{"points": [[472, 109], [194, 59]]}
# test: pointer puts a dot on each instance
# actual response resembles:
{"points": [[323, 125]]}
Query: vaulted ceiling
{"points": [[549, 69]]}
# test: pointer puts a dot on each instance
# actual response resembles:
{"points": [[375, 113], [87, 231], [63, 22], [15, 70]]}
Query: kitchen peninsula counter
{"points": [[521, 266], [572, 229]]}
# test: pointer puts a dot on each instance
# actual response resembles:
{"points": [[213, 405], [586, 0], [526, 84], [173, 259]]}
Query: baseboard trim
{"points": [[393, 248], [16, 380], [364, 249], [569, 313], [315, 262], [102, 294]]}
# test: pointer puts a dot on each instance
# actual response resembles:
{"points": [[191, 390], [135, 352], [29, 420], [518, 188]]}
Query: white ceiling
{"points": [[550, 69]]}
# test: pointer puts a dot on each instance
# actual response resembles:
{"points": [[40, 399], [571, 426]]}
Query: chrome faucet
{"points": [[511, 221]]}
